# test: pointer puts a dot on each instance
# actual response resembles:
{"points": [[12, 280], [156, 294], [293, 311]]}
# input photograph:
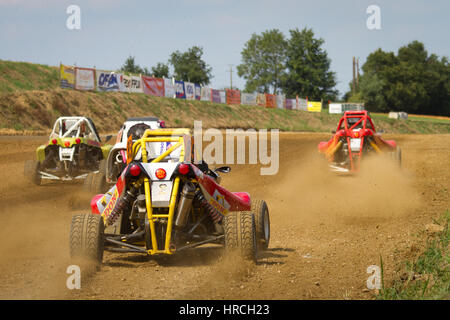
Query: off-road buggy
{"points": [[111, 167], [74, 149], [355, 138], [164, 203]]}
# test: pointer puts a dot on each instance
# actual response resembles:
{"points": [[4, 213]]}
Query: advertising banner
{"points": [[271, 100], [198, 92], [248, 99], [215, 95], [302, 104], [107, 81], [223, 96], [84, 79], [261, 99], [153, 86], [291, 104], [189, 90], [67, 76], [280, 101], [169, 88], [206, 94], [233, 96], [335, 108], [314, 106], [179, 89], [130, 83]]}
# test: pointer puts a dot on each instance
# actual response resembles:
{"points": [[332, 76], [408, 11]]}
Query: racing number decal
{"points": [[129, 149]]}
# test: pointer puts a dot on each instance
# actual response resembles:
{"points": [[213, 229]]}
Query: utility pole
{"points": [[357, 74], [354, 77], [231, 76]]}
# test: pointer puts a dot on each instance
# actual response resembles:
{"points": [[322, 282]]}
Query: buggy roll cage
{"points": [[75, 126], [363, 117], [182, 139]]}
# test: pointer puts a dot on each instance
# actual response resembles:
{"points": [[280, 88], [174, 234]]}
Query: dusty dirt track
{"points": [[326, 230]]}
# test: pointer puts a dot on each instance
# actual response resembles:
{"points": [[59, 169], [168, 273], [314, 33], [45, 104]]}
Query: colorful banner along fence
{"points": [[280, 101], [271, 100], [314, 106], [233, 96], [84, 79], [248, 99], [107, 81], [67, 76], [91, 79], [302, 104], [189, 90], [206, 94], [130, 84], [223, 96], [179, 90], [291, 104], [261, 99], [198, 92], [153, 86], [215, 95], [169, 88]]}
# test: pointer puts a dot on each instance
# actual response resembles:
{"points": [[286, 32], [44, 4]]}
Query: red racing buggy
{"points": [[355, 138]]}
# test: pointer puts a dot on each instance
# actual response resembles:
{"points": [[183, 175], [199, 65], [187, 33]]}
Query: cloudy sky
{"points": [[111, 30]]}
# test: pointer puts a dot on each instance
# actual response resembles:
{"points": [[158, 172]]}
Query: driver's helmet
{"points": [[137, 131]]}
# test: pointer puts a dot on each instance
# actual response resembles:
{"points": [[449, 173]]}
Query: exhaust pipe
{"points": [[185, 204]]}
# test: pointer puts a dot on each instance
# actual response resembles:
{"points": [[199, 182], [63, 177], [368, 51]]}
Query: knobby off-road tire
{"points": [[87, 238], [262, 223], [31, 171], [240, 234]]}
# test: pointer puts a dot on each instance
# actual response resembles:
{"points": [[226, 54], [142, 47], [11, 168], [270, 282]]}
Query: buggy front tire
{"points": [[262, 223], [87, 238], [240, 234], [31, 172]]}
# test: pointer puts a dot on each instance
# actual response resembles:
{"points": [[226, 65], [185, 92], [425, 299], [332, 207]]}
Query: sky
{"points": [[111, 30]]}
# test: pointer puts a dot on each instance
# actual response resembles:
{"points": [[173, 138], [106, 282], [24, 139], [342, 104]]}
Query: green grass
{"points": [[427, 276]]}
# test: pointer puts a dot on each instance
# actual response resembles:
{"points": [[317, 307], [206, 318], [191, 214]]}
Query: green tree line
{"points": [[411, 80]]}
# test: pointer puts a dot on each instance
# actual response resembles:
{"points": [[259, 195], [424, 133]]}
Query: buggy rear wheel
{"points": [[240, 234], [87, 238], [262, 223], [31, 171]]}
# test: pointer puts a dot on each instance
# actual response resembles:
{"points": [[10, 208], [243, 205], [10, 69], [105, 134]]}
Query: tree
{"points": [[263, 62], [161, 70], [189, 66], [131, 66], [308, 67], [411, 81]]}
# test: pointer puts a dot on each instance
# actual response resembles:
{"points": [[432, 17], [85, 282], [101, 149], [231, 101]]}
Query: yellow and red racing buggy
{"points": [[355, 138], [163, 203]]}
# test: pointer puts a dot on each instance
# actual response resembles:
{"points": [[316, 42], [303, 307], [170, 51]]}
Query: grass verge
{"points": [[427, 276]]}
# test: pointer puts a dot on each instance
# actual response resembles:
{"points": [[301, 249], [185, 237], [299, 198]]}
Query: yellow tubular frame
{"points": [[176, 135]]}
